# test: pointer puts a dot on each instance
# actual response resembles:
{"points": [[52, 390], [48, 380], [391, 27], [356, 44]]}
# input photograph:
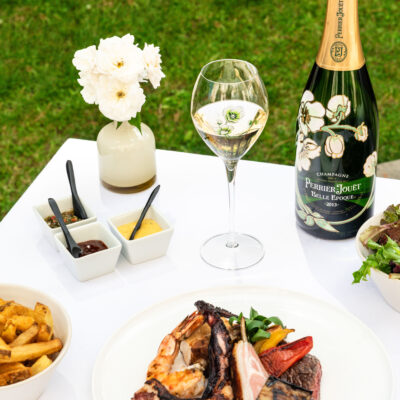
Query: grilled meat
{"points": [[248, 372], [207, 308], [306, 373], [277, 389], [211, 345], [219, 385], [195, 348]]}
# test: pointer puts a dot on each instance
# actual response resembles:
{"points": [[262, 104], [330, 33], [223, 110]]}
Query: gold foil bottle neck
{"points": [[341, 48]]}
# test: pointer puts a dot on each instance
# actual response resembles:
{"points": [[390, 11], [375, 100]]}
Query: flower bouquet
{"points": [[112, 77]]}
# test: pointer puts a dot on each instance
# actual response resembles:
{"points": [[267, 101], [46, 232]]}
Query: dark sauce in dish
{"points": [[91, 246]]}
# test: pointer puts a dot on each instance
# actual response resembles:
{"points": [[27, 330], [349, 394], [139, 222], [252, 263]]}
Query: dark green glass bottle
{"points": [[337, 133]]}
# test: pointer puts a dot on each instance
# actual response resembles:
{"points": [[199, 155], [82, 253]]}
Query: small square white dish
{"points": [[65, 204], [92, 265], [146, 248]]}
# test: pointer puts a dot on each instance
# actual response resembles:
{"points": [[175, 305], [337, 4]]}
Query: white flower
{"points": [[152, 62], [119, 101], [334, 146], [308, 150], [311, 114], [85, 59], [89, 81], [121, 59], [362, 133], [370, 164], [338, 108]]}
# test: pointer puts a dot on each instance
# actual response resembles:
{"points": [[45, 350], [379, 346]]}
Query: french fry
{"points": [[10, 309], [12, 373], [9, 332], [22, 322], [33, 350], [3, 321], [40, 364], [26, 337], [45, 333], [5, 351]]}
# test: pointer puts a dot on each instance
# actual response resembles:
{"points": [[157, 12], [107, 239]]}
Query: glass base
{"points": [[219, 251], [131, 189]]}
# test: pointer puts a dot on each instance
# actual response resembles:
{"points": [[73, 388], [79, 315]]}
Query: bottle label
{"points": [[341, 48], [330, 194], [328, 198]]}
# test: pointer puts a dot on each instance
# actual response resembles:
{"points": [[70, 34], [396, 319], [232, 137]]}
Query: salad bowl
{"points": [[389, 288]]}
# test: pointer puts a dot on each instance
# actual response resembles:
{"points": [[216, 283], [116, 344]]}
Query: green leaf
{"points": [[391, 214], [379, 260], [276, 321], [261, 318], [253, 313], [259, 335], [232, 320], [253, 324], [137, 122]]}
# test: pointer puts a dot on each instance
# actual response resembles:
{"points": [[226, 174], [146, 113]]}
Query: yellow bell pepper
{"points": [[277, 335]]}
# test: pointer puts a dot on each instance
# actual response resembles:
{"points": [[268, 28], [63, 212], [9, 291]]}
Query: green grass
{"points": [[40, 104]]}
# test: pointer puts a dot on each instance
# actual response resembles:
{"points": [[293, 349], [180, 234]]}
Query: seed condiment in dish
{"points": [[68, 216]]}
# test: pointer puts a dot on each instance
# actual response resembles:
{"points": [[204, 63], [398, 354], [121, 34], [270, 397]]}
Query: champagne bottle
{"points": [[337, 132]]}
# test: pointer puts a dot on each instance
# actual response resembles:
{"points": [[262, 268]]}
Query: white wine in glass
{"points": [[229, 110]]}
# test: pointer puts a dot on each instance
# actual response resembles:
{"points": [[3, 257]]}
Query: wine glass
{"points": [[229, 109]]}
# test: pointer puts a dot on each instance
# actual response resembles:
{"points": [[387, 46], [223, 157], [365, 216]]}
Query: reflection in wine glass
{"points": [[229, 110]]}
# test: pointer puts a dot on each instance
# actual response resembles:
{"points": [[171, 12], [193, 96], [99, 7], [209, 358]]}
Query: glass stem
{"points": [[231, 175]]}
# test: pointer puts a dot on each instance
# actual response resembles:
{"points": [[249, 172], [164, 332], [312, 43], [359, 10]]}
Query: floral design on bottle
{"points": [[313, 117], [370, 164]]}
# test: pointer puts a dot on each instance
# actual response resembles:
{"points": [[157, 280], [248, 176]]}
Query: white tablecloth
{"points": [[193, 197]]}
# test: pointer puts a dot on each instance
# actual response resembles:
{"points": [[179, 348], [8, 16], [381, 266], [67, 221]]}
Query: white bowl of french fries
{"points": [[35, 335]]}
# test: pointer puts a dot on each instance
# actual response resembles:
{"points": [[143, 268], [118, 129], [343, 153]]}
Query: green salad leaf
{"points": [[391, 214], [379, 260], [256, 325]]}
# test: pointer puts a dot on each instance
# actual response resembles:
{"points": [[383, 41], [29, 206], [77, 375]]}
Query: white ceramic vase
{"points": [[126, 156]]}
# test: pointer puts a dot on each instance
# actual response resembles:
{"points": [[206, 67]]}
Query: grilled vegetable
{"points": [[275, 389], [278, 359], [277, 335]]}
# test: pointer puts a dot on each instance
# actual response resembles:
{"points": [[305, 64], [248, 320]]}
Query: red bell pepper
{"points": [[278, 359]]}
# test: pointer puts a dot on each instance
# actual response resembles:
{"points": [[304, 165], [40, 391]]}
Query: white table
{"points": [[194, 197]]}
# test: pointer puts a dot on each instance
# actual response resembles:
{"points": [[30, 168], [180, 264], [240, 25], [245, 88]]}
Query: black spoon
{"points": [[144, 212], [79, 211], [73, 247]]}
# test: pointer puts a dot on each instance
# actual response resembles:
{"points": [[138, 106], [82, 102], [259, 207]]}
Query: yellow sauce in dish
{"points": [[149, 226]]}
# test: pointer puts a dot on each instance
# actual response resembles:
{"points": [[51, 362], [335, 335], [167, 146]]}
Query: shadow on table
{"points": [[59, 388], [79, 290], [332, 263]]}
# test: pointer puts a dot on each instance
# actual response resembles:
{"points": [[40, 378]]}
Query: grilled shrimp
{"points": [[189, 382]]}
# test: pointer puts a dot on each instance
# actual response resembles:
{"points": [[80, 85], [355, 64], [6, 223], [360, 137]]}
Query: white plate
{"points": [[354, 362]]}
